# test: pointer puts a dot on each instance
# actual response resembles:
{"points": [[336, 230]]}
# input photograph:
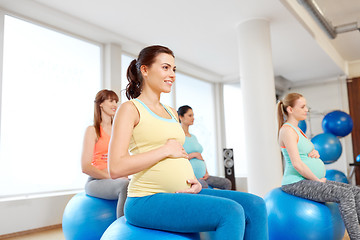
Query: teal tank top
{"points": [[305, 146], [191, 145]]}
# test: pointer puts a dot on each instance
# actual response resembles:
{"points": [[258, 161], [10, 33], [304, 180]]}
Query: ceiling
{"points": [[204, 34]]}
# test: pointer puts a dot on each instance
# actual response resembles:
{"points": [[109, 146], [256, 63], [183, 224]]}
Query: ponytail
{"points": [[133, 89], [280, 114], [288, 100]]}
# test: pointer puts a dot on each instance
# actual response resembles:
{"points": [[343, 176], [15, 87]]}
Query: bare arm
{"points": [[87, 156], [288, 138], [121, 164], [195, 155]]}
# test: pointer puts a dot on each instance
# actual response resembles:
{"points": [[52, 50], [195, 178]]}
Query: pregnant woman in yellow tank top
{"points": [[164, 193]]}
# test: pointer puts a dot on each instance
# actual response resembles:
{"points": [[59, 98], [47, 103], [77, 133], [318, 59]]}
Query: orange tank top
{"points": [[101, 150]]}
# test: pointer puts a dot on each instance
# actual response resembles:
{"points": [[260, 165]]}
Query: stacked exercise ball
{"points": [[302, 125], [336, 175], [338, 123], [335, 124], [328, 146]]}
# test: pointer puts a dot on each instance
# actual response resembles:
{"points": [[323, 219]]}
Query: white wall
{"points": [[33, 212], [322, 98]]}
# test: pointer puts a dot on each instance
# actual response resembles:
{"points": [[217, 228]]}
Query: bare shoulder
{"points": [[128, 107], [90, 130], [90, 133], [127, 110], [286, 132]]}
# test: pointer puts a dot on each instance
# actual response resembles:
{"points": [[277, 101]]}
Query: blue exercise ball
{"points": [[295, 218], [328, 146], [87, 218], [199, 167], [302, 125], [338, 123], [121, 229], [336, 175], [358, 158]]}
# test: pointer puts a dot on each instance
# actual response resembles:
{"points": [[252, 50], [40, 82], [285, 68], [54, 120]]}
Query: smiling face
{"points": [[299, 110], [160, 76], [109, 107]]}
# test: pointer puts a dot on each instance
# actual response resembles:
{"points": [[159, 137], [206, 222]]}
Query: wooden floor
{"points": [[51, 234], [57, 234]]}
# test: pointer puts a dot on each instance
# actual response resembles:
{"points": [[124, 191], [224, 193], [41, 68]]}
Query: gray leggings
{"points": [[216, 182], [110, 189], [347, 196]]}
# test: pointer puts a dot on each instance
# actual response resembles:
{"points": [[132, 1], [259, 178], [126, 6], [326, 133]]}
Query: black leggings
{"points": [[347, 196]]}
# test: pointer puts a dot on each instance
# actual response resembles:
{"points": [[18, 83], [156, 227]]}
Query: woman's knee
{"points": [[233, 210], [227, 184]]}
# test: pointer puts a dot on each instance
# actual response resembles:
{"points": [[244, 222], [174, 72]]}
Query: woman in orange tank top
{"points": [[95, 153]]}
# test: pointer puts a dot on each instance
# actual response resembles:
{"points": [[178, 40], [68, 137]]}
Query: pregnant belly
{"points": [[199, 167], [169, 175], [316, 166]]}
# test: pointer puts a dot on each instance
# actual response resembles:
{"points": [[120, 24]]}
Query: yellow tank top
{"points": [[168, 175]]}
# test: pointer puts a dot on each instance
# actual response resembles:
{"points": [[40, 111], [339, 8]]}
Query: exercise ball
{"points": [[358, 158], [295, 218], [336, 175], [338, 123], [328, 146], [121, 229], [199, 167], [87, 218], [302, 125]]}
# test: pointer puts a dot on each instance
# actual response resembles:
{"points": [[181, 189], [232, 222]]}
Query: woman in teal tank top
{"points": [[304, 174], [194, 149], [231, 215]]}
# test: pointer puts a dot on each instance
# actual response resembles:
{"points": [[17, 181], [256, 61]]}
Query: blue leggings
{"points": [[232, 215]]}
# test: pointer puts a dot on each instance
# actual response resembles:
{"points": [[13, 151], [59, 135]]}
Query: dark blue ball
{"points": [[336, 175], [302, 125], [338, 123], [328, 146]]}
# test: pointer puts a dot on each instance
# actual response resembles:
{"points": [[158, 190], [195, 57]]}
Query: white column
{"points": [[112, 68], [258, 90]]}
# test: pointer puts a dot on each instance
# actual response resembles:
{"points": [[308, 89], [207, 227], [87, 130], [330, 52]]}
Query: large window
{"points": [[234, 126], [48, 87], [199, 95]]}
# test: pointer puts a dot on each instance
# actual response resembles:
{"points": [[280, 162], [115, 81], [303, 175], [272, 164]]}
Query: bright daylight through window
{"points": [[47, 91]]}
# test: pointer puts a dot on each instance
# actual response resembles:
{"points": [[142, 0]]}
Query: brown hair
{"points": [[146, 57], [288, 100], [101, 96], [182, 110]]}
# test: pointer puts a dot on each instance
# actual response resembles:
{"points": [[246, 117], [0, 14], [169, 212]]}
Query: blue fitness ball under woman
{"points": [[194, 149], [304, 174], [163, 193]]}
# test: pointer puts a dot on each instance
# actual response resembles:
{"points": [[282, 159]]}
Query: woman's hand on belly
{"points": [[196, 155], [195, 187], [174, 149], [314, 154]]}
